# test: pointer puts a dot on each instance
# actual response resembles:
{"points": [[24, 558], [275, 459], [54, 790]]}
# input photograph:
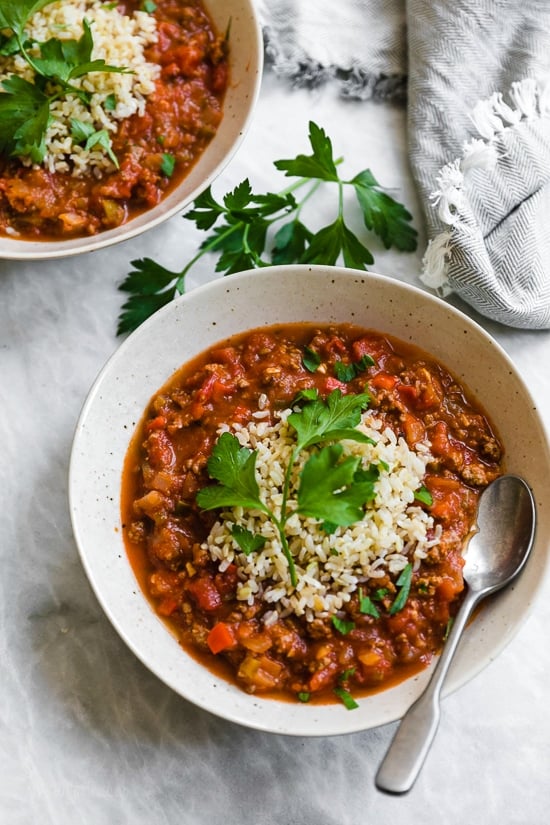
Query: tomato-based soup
{"points": [[296, 503], [154, 148]]}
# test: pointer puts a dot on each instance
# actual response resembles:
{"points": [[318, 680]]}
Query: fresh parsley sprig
{"points": [[25, 107], [242, 229], [331, 490]]}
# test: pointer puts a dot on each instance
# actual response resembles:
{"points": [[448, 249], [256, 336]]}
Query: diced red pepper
{"points": [[197, 410], [168, 606], [221, 637], [158, 423], [323, 677], [383, 381]]}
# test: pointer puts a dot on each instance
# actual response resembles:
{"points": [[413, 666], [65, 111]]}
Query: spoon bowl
{"points": [[500, 547], [496, 554]]}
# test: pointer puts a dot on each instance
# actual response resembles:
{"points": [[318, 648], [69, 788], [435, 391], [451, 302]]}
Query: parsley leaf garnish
{"points": [[152, 282], [404, 584], [423, 495], [248, 542], [329, 489], [330, 420], [14, 16], [24, 117], [83, 132], [311, 359], [308, 394], [168, 164], [249, 230], [346, 698], [234, 468], [344, 372], [109, 104], [25, 111], [333, 491], [320, 164], [342, 626], [367, 606], [347, 372]]}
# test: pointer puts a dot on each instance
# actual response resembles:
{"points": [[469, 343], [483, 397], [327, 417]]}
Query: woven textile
{"points": [[477, 81]]}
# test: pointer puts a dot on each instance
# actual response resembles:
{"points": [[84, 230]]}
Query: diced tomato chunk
{"points": [[205, 593], [447, 589], [226, 582], [414, 429], [333, 384], [408, 393], [439, 438], [225, 355]]}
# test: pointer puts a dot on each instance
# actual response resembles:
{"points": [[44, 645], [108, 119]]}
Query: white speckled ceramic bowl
{"points": [[246, 61], [252, 299]]}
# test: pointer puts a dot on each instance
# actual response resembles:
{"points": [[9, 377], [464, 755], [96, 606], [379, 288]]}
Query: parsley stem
{"points": [[242, 238], [218, 240], [286, 485], [286, 549], [302, 181], [209, 246], [249, 250], [281, 521], [340, 199]]}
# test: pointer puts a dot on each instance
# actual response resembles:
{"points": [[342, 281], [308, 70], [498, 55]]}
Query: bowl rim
{"points": [[15, 249], [235, 709]]}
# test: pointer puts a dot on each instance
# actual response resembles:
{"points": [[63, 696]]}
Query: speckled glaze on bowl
{"points": [[254, 299], [246, 61]]}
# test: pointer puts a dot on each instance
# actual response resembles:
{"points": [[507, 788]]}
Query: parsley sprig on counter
{"points": [[331, 489], [25, 107], [241, 227]]}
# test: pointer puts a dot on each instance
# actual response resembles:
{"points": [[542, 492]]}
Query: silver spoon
{"points": [[495, 555]]}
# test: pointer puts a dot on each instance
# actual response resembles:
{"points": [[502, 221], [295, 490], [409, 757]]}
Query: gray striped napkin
{"points": [[477, 78]]}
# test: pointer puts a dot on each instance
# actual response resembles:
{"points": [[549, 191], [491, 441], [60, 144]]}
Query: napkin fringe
{"points": [[529, 99], [355, 83]]}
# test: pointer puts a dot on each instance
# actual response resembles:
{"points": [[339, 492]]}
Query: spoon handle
{"points": [[415, 734]]}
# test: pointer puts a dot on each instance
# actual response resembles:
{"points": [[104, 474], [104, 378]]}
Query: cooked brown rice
{"points": [[118, 39], [329, 566]]}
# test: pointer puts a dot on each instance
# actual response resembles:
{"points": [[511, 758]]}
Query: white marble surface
{"points": [[87, 735]]}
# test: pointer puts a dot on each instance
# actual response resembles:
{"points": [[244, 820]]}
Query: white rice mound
{"points": [[120, 41], [329, 566]]}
